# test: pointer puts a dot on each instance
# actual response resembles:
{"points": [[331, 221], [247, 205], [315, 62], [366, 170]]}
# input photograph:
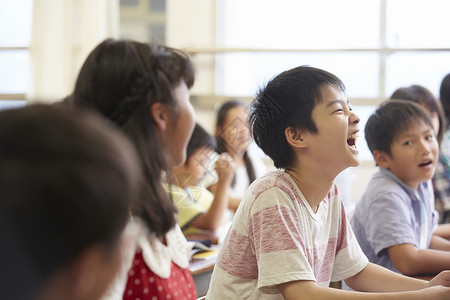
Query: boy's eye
{"points": [[429, 137], [407, 143]]}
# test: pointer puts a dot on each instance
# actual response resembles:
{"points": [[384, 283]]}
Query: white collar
{"points": [[159, 257]]}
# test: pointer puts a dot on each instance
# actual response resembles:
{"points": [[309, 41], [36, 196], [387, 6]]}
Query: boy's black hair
{"points": [[66, 182], [200, 138], [444, 94], [390, 119], [287, 101], [423, 96]]}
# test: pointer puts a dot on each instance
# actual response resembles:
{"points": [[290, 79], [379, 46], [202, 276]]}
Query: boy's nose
{"points": [[426, 147], [354, 118]]}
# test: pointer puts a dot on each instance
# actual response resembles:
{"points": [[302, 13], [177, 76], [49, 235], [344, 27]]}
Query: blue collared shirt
{"points": [[390, 213]]}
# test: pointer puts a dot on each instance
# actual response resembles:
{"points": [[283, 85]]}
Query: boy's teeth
{"points": [[425, 164]]}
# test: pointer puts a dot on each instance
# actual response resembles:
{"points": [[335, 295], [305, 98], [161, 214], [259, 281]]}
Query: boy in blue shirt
{"points": [[395, 218]]}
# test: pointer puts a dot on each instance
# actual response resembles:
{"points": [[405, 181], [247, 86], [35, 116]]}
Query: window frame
{"points": [[208, 100], [16, 96]]}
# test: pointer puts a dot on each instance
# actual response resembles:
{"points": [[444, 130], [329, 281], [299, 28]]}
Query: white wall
{"points": [[193, 23]]}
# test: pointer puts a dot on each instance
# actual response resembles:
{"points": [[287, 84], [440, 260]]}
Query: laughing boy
{"points": [[290, 236]]}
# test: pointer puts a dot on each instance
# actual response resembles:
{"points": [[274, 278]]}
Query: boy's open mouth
{"points": [[351, 140], [425, 163]]}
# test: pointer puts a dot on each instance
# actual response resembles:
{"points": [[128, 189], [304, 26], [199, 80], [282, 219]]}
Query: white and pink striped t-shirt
{"points": [[277, 238]]}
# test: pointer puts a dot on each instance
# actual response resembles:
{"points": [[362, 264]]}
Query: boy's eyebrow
{"points": [[410, 134], [342, 102]]}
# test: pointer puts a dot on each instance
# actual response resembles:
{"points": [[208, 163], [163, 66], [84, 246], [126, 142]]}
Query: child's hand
{"points": [[225, 167], [442, 278]]}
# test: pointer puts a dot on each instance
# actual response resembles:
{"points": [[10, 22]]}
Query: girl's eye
{"points": [[429, 137], [407, 143]]}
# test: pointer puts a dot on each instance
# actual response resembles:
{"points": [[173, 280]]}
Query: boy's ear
{"points": [[382, 159], [160, 115], [294, 137]]}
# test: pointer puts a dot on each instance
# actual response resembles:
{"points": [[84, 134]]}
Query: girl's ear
{"points": [[294, 137], [382, 159], [160, 115]]}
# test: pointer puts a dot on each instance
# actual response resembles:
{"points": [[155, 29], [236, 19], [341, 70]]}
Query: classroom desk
{"points": [[199, 266], [201, 269]]}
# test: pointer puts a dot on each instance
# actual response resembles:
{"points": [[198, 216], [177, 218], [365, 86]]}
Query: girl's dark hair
{"points": [[288, 101], [200, 138], [422, 96], [66, 181], [122, 79], [221, 147], [390, 119], [444, 94]]}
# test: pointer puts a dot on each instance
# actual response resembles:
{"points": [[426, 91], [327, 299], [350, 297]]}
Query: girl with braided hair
{"points": [[144, 90]]}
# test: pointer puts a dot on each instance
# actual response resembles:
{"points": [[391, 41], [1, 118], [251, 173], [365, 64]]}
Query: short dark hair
{"points": [[199, 138], [122, 79], [66, 182], [444, 94], [389, 120], [287, 101], [423, 96]]}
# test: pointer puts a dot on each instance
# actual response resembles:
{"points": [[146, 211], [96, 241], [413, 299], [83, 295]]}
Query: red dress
{"points": [[156, 269], [144, 284]]}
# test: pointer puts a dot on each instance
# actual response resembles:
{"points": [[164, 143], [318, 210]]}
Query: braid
{"points": [[136, 98]]}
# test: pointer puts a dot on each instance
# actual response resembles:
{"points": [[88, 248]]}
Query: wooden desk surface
{"points": [[198, 266], [213, 237]]}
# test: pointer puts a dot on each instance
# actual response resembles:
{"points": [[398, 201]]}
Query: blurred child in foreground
{"points": [[67, 179]]}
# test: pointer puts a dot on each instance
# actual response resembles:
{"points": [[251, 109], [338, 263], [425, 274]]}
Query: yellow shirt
{"points": [[191, 202]]}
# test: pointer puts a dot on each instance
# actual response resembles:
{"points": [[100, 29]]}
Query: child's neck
{"points": [[183, 180], [313, 184], [237, 157]]}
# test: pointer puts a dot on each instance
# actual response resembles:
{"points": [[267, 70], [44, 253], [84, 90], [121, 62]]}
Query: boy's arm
{"points": [[372, 278], [443, 230], [412, 261], [439, 243]]}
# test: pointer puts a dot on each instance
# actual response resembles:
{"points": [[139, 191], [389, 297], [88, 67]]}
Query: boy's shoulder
{"points": [[384, 183], [277, 179], [278, 184]]}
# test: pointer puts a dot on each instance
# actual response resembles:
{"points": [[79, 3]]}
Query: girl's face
{"points": [[198, 163], [179, 127], [235, 131]]}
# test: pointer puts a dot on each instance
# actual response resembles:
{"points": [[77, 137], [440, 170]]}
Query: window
{"points": [[374, 46], [15, 34], [143, 20]]}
